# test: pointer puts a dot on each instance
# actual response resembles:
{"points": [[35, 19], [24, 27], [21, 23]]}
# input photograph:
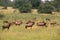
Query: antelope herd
{"points": [[29, 23]]}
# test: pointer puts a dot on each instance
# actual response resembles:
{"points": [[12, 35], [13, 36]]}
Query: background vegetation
{"points": [[27, 5]]}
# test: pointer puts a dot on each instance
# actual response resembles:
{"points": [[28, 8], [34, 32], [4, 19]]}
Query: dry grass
{"points": [[36, 33]]}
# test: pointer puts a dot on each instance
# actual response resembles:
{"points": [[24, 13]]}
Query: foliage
{"points": [[27, 5], [23, 5], [35, 3], [4, 3], [56, 4], [45, 8]]}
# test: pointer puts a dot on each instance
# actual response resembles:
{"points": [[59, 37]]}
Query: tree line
{"points": [[27, 5]]}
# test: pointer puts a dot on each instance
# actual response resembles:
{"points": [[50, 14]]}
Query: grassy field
{"points": [[36, 33]]}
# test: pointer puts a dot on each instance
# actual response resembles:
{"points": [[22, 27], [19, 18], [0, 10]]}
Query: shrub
{"points": [[45, 8], [23, 6]]}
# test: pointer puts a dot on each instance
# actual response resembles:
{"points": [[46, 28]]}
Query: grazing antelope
{"points": [[17, 22], [29, 24], [6, 24], [53, 23], [41, 24]]}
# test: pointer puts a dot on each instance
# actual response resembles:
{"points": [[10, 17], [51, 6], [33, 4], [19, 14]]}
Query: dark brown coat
{"points": [[6, 25]]}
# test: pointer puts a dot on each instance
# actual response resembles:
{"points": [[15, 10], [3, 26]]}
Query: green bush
{"points": [[45, 8], [35, 3], [23, 6]]}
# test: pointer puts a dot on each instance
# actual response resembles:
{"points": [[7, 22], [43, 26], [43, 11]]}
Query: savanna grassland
{"points": [[36, 33]]}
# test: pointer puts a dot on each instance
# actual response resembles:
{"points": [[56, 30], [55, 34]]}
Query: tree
{"points": [[45, 7], [35, 3], [56, 4], [23, 5], [4, 3]]}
